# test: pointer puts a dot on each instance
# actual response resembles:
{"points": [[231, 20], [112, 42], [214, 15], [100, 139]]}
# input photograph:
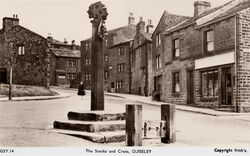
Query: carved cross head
{"points": [[98, 12]]}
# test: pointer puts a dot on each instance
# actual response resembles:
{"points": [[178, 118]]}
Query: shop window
{"points": [[210, 84]]}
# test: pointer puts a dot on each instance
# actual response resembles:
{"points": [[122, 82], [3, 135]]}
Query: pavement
{"points": [[136, 98], [27, 123]]}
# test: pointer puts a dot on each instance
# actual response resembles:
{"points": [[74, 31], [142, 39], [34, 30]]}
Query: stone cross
{"points": [[98, 13]]}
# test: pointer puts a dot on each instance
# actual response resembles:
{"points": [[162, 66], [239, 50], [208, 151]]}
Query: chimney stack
{"points": [[200, 7], [140, 27], [9, 23], [131, 19], [149, 27], [73, 45], [65, 41]]}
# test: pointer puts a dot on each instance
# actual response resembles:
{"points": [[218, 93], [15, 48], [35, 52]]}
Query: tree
{"points": [[8, 59]]}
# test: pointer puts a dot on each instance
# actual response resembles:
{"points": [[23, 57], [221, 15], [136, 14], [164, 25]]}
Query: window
{"points": [[210, 83], [176, 48], [11, 45], [106, 58], [69, 76], [120, 67], [69, 63], [120, 51], [158, 61], [73, 76], [209, 41], [86, 46], [73, 63], [21, 50], [106, 75], [158, 39], [87, 77], [87, 61], [176, 82], [158, 83], [119, 84]]}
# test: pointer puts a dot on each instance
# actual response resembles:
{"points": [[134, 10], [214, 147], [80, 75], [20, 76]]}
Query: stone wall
{"points": [[114, 60], [191, 48], [32, 67], [243, 65]]}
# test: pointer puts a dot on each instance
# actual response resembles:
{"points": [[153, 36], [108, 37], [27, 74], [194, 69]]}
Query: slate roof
{"points": [[170, 20], [66, 53], [221, 13], [59, 42], [122, 34], [147, 35]]}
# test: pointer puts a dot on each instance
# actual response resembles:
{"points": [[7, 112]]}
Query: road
{"points": [[28, 124]]}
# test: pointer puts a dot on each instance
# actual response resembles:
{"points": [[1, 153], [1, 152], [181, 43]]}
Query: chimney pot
{"points": [[141, 19], [149, 26]]}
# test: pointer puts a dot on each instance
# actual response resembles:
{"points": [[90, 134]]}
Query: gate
{"points": [[136, 129]]}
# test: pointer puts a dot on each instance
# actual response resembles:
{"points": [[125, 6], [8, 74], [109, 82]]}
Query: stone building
{"points": [[36, 60], [26, 51], [206, 58], [116, 58], [65, 62], [167, 20], [141, 60]]}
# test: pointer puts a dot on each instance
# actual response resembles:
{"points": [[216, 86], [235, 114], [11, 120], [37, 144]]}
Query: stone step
{"points": [[226, 108], [103, 137], [90, 126], [96, 116]]}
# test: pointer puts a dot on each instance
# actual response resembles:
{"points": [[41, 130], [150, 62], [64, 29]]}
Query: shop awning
{"points": [[215, 60]]}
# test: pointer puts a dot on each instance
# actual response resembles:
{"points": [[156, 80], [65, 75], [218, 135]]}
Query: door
{"points": [[190, 87], [3, 75], [226, 86]]}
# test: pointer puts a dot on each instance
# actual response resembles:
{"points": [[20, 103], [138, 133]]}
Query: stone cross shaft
{"points": [[98, 13]]}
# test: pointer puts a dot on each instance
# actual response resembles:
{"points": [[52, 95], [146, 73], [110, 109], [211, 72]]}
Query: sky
{"points": [[68, 19]]}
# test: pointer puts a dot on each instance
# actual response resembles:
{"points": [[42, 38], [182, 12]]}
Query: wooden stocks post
{"points": [[98, 12], [133, 125], [168, 114]]}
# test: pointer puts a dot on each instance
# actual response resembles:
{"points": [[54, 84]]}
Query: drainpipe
{"points": [[236, 61]]}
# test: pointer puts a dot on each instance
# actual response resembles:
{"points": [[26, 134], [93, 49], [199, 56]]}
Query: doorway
{"points": [[190, 86], [226, 86], [3, 75]]}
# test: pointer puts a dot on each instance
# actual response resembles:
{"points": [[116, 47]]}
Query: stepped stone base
{"points": [[96, 116], [97, 126], [103, 137]]}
